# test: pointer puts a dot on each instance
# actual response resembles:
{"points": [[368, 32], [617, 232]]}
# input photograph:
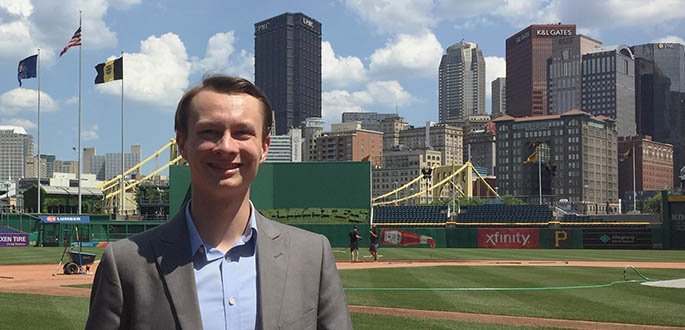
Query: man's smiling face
{"points": [[224, 142]]}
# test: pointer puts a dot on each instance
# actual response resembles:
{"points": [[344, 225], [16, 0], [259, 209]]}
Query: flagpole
{"points": [[123, 198], [540, 176], [38, 158], [634, 193], [80, 48]]}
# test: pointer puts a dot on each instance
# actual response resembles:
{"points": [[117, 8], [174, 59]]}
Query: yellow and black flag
{"points": [[110, 70], [624, 155], [532, 158]]}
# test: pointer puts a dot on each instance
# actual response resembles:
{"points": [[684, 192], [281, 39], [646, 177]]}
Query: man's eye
{"points": [[209, 133]]}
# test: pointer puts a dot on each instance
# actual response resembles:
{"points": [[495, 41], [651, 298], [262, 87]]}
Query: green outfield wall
{"points": [[293, 185]]}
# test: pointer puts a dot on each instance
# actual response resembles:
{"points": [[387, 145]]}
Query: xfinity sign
{"points": [[511, 238], [554, 32]]}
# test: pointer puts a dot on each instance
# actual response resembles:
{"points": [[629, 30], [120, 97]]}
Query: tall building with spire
{"points": [[461, 82]]}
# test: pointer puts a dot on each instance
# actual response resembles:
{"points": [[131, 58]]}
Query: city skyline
{"points": [[376, 57]]}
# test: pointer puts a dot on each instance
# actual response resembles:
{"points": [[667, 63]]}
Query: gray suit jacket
{"points": [[147, 281]]}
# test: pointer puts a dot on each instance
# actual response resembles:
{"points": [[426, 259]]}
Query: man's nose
{"points": [[227, 144]]}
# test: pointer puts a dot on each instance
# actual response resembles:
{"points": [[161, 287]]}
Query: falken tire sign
{"points": [[508, 238], [617, 239]]}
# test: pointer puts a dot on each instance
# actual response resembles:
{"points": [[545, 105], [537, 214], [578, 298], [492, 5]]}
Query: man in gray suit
{"points": [[219, 264]]}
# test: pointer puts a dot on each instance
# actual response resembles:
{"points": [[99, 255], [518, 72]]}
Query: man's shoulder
{"points": [[290, 230]]}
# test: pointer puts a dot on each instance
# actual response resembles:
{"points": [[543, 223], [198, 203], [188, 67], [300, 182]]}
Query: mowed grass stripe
{"points": [[623, 303], [520, 254], [386, 322], [28, 311], [38, 255]]}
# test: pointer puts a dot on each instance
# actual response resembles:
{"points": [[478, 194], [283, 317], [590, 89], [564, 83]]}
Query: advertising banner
{"points": [[14, 239], [508, 238], [617, 238], [404, 238], [561, 239], [65, 218], [677, 210]]}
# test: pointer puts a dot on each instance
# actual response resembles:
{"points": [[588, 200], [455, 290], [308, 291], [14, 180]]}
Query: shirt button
{"points": [[231, 301]]}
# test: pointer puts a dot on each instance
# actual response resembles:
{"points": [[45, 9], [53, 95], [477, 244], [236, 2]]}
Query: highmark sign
{"points": [[65, 218]]}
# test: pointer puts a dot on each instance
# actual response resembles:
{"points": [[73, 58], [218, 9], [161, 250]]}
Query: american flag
{"points": [[75, 41]]}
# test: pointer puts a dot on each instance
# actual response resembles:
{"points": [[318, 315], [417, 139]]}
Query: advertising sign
{"points": [[508, 238], [404, 238], [14, 239], [65, 218], [617, 238], [562, 239], [677, 210]]}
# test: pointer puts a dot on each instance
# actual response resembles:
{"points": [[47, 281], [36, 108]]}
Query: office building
{"points": [[564, 72], [402, 166], [288, 67], [575, 152], [661, 108], [526, 55], [286, 148], [461, 82], [653, 165], [391, 128], [108, 166], [65, 166], [15, 147], [442, 137], [370, 120], [480, 148], [49, 165], [346, 142], [499, 97], [32, 164], [88, 153], [608, 86]]}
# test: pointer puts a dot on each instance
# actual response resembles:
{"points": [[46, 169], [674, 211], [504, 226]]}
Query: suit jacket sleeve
{"points": [[333, 310], [106, 298]]}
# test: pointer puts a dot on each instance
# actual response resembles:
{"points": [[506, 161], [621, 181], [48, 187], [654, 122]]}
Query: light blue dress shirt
{"points": [[226, 283]]}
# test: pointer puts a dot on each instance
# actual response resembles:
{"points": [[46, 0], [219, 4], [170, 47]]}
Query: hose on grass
{"points": [[594, 286]]}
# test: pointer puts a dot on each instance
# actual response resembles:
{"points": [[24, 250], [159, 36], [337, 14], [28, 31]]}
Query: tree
{"points": [[652, 204]]}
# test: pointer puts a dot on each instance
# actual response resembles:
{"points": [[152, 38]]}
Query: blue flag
{"points": [[27, 68]]}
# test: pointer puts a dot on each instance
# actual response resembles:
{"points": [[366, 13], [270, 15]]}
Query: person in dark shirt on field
{"points": [[373, 242], [354, 244]]}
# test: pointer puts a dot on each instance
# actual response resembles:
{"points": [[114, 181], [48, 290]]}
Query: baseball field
{"points": [[414, 288]]}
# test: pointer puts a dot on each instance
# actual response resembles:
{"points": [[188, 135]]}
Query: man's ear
{"points": [[180, 143], [265, 148]]}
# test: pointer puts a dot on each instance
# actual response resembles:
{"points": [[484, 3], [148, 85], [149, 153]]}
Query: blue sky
{"points": [[376, 54]]}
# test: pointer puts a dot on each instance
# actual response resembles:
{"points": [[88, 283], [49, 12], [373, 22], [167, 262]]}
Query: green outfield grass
{"points": [[625, 303], [38, 255], [19, 312], [384, 322], [518, 254]]}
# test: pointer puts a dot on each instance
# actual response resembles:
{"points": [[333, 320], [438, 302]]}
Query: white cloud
{"points": [[71, 100], [407, 55], [25, 123], [398, 16], [158, 74], [671, 39], [90, 133], [123, 4], [220, 57], [47, 24], [339, 71], [495, 67], [379, 94], [25, 100]]}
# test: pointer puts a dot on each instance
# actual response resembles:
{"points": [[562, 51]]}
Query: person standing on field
{"points": [[373, 242], [354, 244]]}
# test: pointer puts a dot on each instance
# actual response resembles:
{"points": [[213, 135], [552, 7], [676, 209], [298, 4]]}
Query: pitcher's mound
{"points": [[680, 283]]}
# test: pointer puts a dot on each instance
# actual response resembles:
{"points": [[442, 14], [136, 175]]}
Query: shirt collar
{"points": [[196, 241]]}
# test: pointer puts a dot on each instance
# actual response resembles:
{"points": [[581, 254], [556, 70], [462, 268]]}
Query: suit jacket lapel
{"points": [[271, 271], [172, 250]]}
